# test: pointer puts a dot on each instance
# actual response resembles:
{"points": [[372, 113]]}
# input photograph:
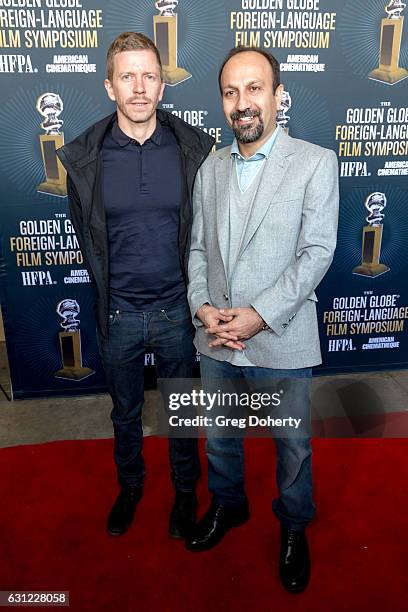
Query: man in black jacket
{"points": [[130, 178]]}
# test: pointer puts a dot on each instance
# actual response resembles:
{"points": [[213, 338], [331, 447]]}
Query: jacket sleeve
{"points": [[278, 305], [197, 265], [75, 210]]}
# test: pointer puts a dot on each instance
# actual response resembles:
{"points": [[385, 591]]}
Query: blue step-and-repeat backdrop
{"points": [[344, 68]]}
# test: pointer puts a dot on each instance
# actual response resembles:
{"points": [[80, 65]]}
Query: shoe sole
{"points": [[296, 590], [116, 534]]}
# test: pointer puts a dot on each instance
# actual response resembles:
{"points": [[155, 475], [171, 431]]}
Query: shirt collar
{"points": [[123, 139], [264, 151], [156, 137]]}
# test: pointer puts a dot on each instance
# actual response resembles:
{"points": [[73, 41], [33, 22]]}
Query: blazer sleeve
{"points": [[197, 264], [278, 305]]}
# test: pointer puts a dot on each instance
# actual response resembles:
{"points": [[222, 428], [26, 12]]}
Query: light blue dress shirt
{"points": [[248, 168]]}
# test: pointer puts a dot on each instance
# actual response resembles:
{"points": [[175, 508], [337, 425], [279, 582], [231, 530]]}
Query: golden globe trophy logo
{"points": [[165, 39], [50, 106], [70, 342], [372, 237], [388, 70], [282, 118]]}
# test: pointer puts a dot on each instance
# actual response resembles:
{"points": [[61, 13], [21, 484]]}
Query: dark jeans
{"points": [[294, 507], [169, 334]]}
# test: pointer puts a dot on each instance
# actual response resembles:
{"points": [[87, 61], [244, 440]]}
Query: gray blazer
{"points": [[287, 246]]}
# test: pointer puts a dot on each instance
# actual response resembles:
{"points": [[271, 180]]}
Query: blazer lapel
{"points": [[272, 176], [223, 170]]}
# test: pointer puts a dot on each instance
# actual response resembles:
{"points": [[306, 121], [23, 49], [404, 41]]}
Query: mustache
{"points": [[248, 112], [137, 99]]}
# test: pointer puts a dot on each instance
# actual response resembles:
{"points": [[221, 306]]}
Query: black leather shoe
{"points": [[121, 516], [182, 515], [294, 564], [215, 524]]}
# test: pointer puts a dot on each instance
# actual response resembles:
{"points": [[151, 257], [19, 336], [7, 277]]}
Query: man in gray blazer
{"points": [[264, 234]]}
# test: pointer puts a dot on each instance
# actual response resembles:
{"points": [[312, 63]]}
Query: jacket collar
{"points": [[85, 148]]}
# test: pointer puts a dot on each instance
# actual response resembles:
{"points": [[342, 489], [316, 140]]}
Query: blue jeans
{"points": [[169, 334], [294, 507]]}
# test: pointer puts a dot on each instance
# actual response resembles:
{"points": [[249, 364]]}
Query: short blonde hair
{"points": [[130, 41]]}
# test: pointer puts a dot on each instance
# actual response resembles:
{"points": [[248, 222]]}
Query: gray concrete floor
{"points": [[87, 417]]}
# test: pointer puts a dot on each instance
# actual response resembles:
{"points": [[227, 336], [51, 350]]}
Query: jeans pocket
{"points": [[176, 314]]}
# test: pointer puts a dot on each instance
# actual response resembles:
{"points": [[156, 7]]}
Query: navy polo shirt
{"points": [[143, 187]]}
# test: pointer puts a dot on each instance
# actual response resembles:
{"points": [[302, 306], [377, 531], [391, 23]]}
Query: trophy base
{"points": [[174, 76], [373, 271], [387, 76], [74, 373], [50, 189]]}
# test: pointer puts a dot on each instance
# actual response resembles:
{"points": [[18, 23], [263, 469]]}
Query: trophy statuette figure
{"points": [[50, 106], [70, 342], [372, 237], [165, 39], [282, 118], [394, 9], [389, 70]]}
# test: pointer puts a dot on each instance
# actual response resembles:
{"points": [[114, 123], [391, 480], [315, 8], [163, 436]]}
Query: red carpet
{"points": [[55, 497]]}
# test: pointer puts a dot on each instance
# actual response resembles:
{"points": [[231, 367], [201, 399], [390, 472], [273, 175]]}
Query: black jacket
{"points": [[82, 161]]}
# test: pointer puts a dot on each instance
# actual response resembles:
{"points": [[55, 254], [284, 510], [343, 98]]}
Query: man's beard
{"points": [[246, 133]]}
